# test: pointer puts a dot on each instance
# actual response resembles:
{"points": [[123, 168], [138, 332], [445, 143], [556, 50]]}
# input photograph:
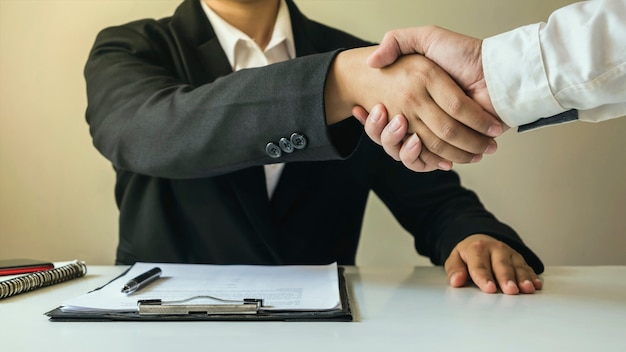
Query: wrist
{"points": [[341, 92], [336, 103]]}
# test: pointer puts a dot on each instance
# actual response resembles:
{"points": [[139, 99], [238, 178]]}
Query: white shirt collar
{"points": [[229, 36]]}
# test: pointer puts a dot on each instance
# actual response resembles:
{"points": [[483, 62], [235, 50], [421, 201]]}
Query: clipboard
{"points": [[247, 310]]}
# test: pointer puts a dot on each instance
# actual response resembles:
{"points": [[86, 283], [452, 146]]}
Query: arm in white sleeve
{"points": [[575, 61]]}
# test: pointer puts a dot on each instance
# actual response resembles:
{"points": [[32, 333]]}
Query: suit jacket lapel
{"points": [[203, 58], [303, 33]]}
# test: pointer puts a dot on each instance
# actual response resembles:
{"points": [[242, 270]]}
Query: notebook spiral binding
{"points": [[40, 279]]}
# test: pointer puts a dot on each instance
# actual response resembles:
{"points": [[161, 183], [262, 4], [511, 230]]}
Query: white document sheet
{"points": [[296, 288]]}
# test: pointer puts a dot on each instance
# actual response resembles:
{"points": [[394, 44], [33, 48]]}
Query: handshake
{"points": [[421, 95]]}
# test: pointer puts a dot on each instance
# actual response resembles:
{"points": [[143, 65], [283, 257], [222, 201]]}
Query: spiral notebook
{"points": [[33, 281]]}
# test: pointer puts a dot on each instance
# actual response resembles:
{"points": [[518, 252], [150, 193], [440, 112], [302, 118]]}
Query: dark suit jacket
{"points": [[187, 139]]}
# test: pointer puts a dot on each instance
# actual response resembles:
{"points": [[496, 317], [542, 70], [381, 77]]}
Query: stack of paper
{"points": [[282, 288]]}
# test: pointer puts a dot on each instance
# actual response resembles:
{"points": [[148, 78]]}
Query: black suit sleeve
{"points": [[147, 118], [434, 207]]}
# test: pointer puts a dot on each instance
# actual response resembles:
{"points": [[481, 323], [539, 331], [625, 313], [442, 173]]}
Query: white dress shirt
{"points": [[577, 60], [242, 52]]}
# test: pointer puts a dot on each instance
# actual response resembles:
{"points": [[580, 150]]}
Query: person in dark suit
{"points": [[229, 127]]}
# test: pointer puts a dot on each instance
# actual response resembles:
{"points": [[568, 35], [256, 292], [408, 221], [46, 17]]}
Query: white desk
{"points": [[397, 309]]}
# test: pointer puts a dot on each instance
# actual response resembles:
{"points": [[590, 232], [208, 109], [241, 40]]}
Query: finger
{"points": [[431, 159], [467, 111], [456, 270], [392, 136], [376, 122], [418, 159], [504, 270], [439, 147], [448, 114], [409, 151], [456, 103], [527, 280], [410, 154], [451, 114], [360, 113], [432, 106], [477, 258]]}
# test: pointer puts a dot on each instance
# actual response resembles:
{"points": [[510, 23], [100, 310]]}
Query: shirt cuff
{"points": [[516, 78]]}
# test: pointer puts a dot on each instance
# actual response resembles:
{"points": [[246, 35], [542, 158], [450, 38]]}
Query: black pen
{"points": [[141, 280]]}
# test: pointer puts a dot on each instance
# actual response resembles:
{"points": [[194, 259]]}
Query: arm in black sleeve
{"points": [[145, 116], [437, 210]]}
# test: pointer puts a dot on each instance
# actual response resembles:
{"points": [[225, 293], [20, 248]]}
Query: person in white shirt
{"points": [[573, 67]]}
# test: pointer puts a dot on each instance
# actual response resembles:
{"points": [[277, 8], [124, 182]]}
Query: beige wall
{"points": [[561, 188]]}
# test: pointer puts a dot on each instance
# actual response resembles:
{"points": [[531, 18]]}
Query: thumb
{"points": [[386, 53], [396, 43]]}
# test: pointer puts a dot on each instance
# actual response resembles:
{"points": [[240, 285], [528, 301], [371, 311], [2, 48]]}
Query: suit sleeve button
{"points": [[299, 141], [286, 145], [273, 150]]}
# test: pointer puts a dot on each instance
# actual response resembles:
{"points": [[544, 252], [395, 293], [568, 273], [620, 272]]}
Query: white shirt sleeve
{"points": [[575, 61]]}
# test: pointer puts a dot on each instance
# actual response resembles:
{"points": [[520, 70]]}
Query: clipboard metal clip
{"points": [[181, 307]]}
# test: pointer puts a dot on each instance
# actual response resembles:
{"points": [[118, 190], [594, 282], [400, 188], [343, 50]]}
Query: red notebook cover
{"points": [[23, 266]]}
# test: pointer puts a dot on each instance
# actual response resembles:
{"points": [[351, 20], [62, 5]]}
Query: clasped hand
{"points": [[428, 142], [451, 126]]}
